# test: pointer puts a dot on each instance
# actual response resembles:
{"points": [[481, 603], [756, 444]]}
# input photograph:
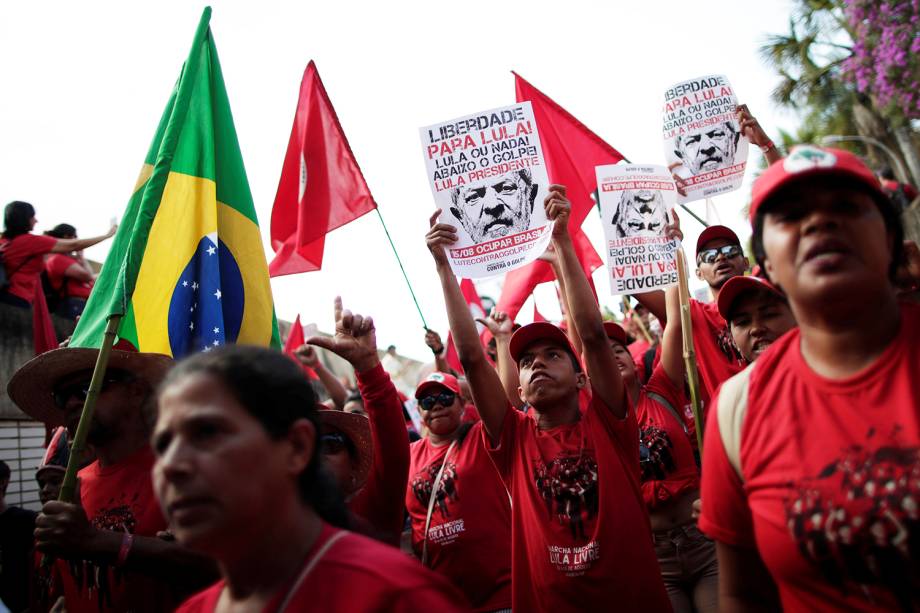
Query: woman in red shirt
{"points": [[239, 476], [70, 276], [459, 509], [811, 472], [23, 252]]}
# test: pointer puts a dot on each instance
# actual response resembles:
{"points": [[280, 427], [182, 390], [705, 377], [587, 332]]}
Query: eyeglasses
{"points": [[81, 390], [333, 443], [445, 399], [709, 256]]}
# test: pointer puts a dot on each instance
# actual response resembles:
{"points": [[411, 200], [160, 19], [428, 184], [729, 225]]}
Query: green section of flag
{"points": [[195, 137]]}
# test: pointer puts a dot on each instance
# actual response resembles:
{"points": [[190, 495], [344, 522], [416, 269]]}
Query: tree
{"points": [[813, 60]]}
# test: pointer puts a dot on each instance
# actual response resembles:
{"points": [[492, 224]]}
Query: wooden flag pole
{"points": [[686, 327], [69, 485]]}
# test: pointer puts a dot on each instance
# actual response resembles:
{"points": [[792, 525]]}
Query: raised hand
{"points": [[750, 127], [433, 340], [306, 355], [439, 237], [679, 183], [672, 230], [355, 338], [498, 323], [558, 209]]}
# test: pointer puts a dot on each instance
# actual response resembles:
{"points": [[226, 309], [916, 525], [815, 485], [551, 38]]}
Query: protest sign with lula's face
{"points": [[635, 200], [703, 144], [488, 177]]}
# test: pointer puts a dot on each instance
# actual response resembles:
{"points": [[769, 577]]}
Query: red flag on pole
{"points": [[468, 288], [571, 152], [294, 340], [321, 187], [537, 315]]}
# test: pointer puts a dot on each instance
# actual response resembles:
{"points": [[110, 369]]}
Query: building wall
{"points": [[22, 447]]}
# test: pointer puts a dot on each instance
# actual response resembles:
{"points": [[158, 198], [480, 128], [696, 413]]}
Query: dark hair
{"points": [[887, 209], [4, 471], [274, 390], [17, 217], [886, 172], [62, 230]]}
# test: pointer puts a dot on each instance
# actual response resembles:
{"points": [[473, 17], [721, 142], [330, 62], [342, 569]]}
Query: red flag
{"points": [[520, 283], [321, 187], [468, 288], [294, 340], [44, 338], [571, 152], [537, 315]]}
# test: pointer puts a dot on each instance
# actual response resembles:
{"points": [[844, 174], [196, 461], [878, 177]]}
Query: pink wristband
{"points": [[126, 541]]}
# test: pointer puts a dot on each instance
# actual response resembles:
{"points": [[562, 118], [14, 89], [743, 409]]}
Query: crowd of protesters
{"points": [[559, 471]]}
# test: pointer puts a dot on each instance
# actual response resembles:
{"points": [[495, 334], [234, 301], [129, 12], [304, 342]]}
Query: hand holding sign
{"points": [[558, 208], [438, 238]]}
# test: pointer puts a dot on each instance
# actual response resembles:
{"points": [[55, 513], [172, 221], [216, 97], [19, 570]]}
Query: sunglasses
{"points": [[709, 256], [445, 399], [333, 443], [81, 390]]}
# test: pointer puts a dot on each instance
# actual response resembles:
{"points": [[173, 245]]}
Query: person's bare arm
{"points": [[500, 325], [745, 583], [488, 393], [63, 530], [750, 128], [308, 357], [672, 356], [433, 341], [78, 273], [550, 256], [606, 382], [656, 304], [66, 245]]}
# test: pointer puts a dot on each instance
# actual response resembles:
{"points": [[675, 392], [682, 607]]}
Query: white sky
{"points": [[83, 86]]}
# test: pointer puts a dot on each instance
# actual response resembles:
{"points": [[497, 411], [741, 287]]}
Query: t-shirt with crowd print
{"points": [[717, 357], [580, 532], [831, 478], [469, 539], [667, 464]]}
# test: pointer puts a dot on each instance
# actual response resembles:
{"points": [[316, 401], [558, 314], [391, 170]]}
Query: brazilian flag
{"points": [[187, 271]]}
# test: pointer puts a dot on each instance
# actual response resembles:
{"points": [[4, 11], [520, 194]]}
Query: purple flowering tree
{"points": [[885, 60]]}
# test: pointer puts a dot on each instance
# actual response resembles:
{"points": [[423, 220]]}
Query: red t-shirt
{"points": [[831, 478], [118, 498], [580, 532], [668, 467], [380, 501], [355, 575], [469, 538], [56, 265], [23, 261], [716, 356]]}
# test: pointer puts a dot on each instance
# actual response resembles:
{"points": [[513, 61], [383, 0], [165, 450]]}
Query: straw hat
{"points": [[358, 430], [31, 387]]}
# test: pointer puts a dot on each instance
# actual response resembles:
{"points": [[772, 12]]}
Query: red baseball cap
{"points": [[806, 161], [736, 286], [615, 332], [712, 233], [539, 331], [438, 379]]}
